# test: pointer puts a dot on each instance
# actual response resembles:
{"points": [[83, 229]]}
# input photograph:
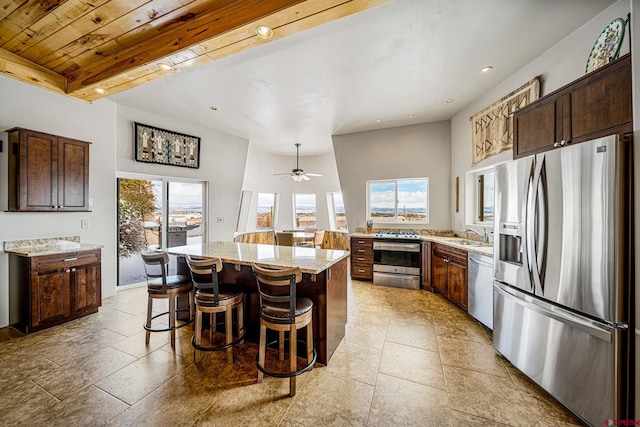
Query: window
{"points": [[265, 211], [401, 200], [484, 197], [304, 211], [337, 214]]}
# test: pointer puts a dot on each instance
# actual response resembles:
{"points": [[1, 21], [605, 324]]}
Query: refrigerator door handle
{"points": [[603, 332], [542, 219], [529, 227], [536, 224]]}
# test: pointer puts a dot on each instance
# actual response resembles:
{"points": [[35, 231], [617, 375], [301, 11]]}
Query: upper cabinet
{"points": [[47, 172], [595, 105]]}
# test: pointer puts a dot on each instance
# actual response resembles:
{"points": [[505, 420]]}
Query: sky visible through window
{"points": [[411, 199]]}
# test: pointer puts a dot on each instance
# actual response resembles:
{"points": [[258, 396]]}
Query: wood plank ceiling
{"points": [[78, 47]]}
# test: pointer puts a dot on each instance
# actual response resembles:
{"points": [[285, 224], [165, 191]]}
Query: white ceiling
{"points": [[403, 57]]}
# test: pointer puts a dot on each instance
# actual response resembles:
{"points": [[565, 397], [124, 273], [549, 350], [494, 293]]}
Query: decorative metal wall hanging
{"points": [[155, 145]]}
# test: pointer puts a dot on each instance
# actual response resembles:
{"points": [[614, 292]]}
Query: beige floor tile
{"points": [[365, 333], [356, 362], [177, 402], [89, 407], [140, 378], [487, 396], [472, 355], [401, 402], [327, 400], [459, 325], [412, 364], [136, 346], [462, 419], [421, 336], [23, 401]]}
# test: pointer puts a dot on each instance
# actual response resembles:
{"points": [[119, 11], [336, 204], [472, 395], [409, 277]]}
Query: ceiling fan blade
{"points": [[286, 173], [313, 174], [306, 178]]}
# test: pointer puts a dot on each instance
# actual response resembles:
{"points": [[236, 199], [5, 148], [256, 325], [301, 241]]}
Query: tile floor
{"points": [[408, 358]]}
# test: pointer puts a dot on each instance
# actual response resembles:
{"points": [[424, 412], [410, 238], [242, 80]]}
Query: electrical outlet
{"points": [[84, 223], [220, 219]]}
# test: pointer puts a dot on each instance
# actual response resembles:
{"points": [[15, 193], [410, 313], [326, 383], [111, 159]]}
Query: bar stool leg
{"points": [[293, 365], [198, 323], [240, 314], [149, 315], [228, 326], [309, 342], [262, 349], [281, 345], [172, 320]]}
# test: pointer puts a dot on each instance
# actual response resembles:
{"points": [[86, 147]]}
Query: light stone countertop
{"points": [[310, 260], [48, 246], [457, 242]]}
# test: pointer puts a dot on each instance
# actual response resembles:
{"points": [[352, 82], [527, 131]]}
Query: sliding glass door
{"points": [[156, 213]]}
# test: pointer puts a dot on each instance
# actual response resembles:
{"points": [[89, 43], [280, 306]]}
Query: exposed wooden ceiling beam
{"points": [[12, 65]]}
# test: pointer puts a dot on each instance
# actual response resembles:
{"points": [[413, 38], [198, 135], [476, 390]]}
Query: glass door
{"points": [[156, 213]]}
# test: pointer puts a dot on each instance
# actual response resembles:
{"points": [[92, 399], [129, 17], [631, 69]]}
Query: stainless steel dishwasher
{"points": [[481, 288]]}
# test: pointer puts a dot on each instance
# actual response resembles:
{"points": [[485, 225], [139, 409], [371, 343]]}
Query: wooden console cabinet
{"points": [[449, 274], [48, 290], [595, 105], [362, 258], [47, 172]]}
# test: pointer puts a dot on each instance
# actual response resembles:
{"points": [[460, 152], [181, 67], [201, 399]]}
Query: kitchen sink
{"points": [[469, 243]]}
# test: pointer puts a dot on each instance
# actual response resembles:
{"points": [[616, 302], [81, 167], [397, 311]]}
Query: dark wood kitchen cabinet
{"points": [[449, 273], [595, 105], [48, 290], [47, 172], [362, 258]]}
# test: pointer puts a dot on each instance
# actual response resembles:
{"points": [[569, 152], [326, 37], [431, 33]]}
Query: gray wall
{"points": [[33, 108], [404, 152], [558, 66], [259, 178], [222, 163]]}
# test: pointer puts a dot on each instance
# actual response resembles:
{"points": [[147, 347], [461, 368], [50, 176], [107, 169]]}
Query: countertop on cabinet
{"points": [[458, 242], [47, 246], [310, 260]]}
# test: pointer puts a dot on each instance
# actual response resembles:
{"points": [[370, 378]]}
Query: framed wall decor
{"points": [[155, 145]]}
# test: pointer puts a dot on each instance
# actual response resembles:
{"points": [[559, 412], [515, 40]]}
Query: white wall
{"points": [[259, 178], [26, 106], [222, 162], [403, 152], [558, 66]]}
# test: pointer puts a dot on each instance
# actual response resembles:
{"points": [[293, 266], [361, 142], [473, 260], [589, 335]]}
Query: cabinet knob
{"points": [[67, 271], [60, 207], [556, 144], [563, 143]]}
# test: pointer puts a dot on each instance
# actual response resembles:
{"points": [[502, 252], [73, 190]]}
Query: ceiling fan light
{"points": [[297, 178]]}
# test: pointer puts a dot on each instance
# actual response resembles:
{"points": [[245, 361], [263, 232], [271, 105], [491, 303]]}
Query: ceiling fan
{"points": [[297, 174]]}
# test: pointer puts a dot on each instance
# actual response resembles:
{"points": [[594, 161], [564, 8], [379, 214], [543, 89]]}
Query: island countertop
{"points": [[310, 260]]}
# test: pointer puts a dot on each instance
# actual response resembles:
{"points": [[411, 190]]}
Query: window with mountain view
{"points": [[304, 210], [401, 200], [266, 209]]}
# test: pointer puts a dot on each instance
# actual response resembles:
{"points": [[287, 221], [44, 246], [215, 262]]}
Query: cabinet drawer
{"points": [[450, 252], [361, 242], [359, 258], [362, 271], [62, 261]]}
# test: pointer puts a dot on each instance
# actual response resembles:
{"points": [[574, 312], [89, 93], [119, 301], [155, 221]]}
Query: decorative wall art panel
{"points": [[492, 128], [155, 145]]}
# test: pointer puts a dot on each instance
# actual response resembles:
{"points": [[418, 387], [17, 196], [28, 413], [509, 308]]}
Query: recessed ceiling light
{"points": [[100, 90], [411, 116], [264, 32], [214, 108], [485, 70], [164, 66], [450, 101], [378, 121]]}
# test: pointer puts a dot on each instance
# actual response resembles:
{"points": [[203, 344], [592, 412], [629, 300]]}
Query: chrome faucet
{"points": [[484, 236]]}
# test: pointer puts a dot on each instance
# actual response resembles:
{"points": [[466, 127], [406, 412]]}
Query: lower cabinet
{"points": [[449, 274], [48, 290], [362, 258]]}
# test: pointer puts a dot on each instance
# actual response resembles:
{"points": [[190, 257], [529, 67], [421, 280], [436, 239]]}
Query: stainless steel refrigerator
{"points": [[562, 274]]}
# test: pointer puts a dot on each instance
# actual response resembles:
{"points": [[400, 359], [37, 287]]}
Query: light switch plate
{"points": [[220, 219], [84, 223]]}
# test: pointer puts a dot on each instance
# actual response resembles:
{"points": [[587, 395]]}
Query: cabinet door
{"points": [[73, 175], [537, 127], [86, 292], [457, 283], [38, 172], [439, 274], [49, 298]]}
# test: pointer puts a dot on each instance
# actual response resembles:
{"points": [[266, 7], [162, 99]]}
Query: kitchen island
{"points": [[324, 281]]}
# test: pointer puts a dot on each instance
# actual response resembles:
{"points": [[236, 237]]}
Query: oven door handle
{"points": [[395, 246]]}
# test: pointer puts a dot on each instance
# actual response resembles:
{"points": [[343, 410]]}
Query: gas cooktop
{"points": [[412, 235]]}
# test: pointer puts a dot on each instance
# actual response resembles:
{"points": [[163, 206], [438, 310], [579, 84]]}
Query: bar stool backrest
{"points": [[156, 266], [204, 274], [284, 239], [278, 287]]}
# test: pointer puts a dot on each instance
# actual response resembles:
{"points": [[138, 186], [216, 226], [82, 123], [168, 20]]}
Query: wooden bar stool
{"points": [[213, 297], [161, 285], [282, 311]]}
